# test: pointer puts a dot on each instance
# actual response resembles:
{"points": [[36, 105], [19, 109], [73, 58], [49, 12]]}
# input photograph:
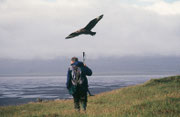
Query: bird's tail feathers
{"points": [[93, 33]]}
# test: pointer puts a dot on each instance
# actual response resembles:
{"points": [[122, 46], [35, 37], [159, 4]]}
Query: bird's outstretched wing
{"points": [[74, 34], [93, 22], [86, 29]]}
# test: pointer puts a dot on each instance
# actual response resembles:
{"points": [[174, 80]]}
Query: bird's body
{"points": [[87, 29]]}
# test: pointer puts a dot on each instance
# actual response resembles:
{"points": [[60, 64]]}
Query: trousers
{"points": [[80, 97]]}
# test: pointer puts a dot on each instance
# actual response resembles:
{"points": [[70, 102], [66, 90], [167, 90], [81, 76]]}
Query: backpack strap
{"points": [[70, 68]]}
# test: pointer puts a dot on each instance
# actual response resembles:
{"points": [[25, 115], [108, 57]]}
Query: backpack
{"points": [[76, 74]]}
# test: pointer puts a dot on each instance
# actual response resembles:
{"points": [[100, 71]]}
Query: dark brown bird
{"points": [[86, 29]]}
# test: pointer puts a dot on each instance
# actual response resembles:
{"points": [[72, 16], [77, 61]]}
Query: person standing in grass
{"points": [[77, 82]]}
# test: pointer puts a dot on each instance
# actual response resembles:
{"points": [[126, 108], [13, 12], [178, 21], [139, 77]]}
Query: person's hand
{"points": [[84, 64]]}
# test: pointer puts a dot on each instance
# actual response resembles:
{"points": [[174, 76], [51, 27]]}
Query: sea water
{"points": [[23, 89]]}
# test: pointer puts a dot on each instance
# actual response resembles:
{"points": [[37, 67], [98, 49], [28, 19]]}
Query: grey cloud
{"points": [[37, 30]]}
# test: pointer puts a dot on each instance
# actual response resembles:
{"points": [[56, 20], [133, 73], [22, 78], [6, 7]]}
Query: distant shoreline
{"points": [[95, 74]]}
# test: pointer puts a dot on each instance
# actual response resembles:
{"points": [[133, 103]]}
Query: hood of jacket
{"points": [[78, 63]]}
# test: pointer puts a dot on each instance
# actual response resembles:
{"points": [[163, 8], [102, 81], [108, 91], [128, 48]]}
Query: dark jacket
{"points": [[85, 72]]}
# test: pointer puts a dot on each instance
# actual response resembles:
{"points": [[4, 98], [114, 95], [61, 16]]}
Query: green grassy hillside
{"points": [[155, 98]]}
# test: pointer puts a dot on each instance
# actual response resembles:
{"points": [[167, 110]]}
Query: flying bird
{"points": [[87, 29]]}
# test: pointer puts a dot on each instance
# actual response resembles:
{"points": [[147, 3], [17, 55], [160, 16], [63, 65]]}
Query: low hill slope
{"points": [[155, 98]]}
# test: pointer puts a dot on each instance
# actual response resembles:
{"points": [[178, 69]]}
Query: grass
{"points": [[155, 98]]}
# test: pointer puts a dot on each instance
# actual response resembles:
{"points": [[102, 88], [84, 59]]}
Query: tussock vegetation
{"points": [[155, 98]]}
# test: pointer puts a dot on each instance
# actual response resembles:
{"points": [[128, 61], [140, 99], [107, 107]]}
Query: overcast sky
{"points": [[36, 29]]}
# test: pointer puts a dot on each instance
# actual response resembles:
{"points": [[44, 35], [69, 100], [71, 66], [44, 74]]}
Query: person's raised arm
{"points": [[87, 70]]}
